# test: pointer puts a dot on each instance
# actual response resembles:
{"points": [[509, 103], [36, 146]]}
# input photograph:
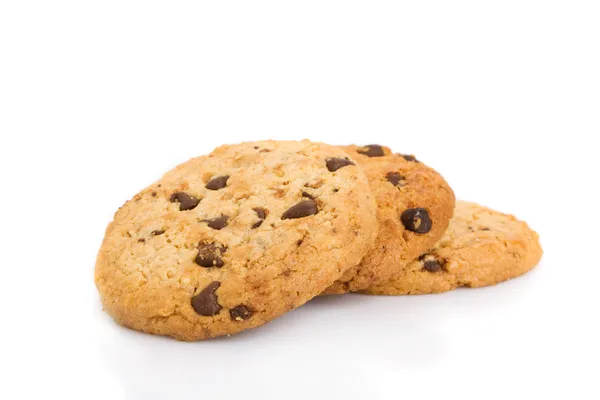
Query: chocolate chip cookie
{"points": [[480, 248], [414, 207], [229, 241]]}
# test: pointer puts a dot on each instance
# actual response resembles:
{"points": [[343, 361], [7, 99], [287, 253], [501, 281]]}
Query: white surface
{"points": [[98, 99]]}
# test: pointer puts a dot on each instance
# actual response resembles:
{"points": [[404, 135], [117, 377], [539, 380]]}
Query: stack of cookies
{"points": [[232, 240]]}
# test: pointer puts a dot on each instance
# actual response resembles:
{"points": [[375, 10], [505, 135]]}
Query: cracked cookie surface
{"points": [[414, 207], [229, 241], [481, 247]]}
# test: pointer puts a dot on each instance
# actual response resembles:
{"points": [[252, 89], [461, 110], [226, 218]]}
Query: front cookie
{"points": [[482, 247], [229, 241], [414, 207]]}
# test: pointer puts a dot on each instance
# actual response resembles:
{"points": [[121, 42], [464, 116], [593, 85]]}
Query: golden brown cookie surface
{"points": [[414, 207], [229, 241], [481, 247]]}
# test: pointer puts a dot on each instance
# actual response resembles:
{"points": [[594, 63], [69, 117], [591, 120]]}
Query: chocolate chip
{"points": [[432, 264], [157, 233], [257, 224], [416, 220], [209, 255], [153, 194], [186, 201], [299, 242], [217, 223], [306, 194], [371, 150], [142, 240], [485, 229], [333, 164], [262, 214], [301, 210], [217, 183], [394, 178], [240, 313], [408, 157], [206, 302]]}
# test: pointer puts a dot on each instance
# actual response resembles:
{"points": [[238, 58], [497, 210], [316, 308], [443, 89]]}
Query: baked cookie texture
{"points": [[229, 241], [481, 247], [414, 207]]}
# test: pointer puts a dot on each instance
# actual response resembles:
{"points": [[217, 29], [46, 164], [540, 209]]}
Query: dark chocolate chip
{"points": [[394, 178], [262, 214], [408, 157], [485, 229], [209, 255], [217, 183], [153, 194], [240, 313], [431, 263], [186, 201], [299, 242], [217, 223], [371, 150], [206, 302], [432, 266], [142, 240], [306, 194], [333, 164], [416, 220], [301, 210], [157, 232]]}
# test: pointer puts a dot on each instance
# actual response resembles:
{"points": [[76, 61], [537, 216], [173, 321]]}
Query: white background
{"points": [[98, 99]]}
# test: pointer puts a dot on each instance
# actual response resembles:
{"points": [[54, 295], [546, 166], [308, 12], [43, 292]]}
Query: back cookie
{"points": [[482, 247], [229, 241]]}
